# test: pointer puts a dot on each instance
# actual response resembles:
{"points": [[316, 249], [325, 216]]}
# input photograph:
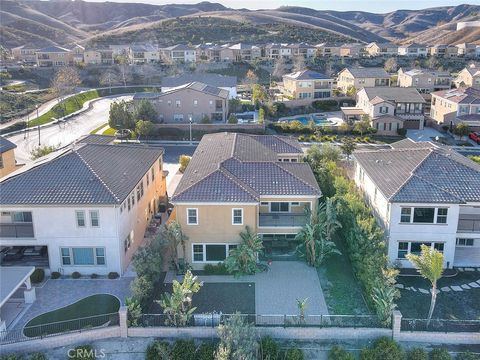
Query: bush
{"points": [[338, 353], [268, 348], [55, 275], [113, 275], [218, 269], [82, 352], [440, 354], [402, 132], [76, 275], [294, 354], [183, 161], [37, 276], [417, 354], [94, 276], [11, 357], [383, 349], [206, 351], [467, 356], [183, 350], [38, 356], [158, 350]]}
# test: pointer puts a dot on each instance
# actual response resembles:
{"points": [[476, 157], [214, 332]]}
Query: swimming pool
{"points": [[319, 119]]}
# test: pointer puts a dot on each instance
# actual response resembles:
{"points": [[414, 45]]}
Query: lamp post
{"points": [[190, 121], [26, 127], [38, 128]]}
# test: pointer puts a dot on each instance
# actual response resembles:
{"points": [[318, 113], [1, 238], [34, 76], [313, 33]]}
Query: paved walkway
{"points": [[427, 134], [62, 292], [277, 290]]}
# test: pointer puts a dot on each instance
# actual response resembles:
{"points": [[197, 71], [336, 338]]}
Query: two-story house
{"points": [[468, 77], [327, 50], [352, 50], [179, 53], [54, 56], [98, 56], [224, 82], [425, 81], [359, 77], [187, 103], [422, 194], [86, 210], [8, 164], [466, 50], [244, 52], [143, 54], [414, 49], [303, 50], [307, 84], [238, 180], [277, 51], [441, 50], [381, 49], [25, 53]]}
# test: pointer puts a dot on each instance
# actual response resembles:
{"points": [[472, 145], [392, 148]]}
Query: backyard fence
{"points": [[440, 325], [59, 328]]}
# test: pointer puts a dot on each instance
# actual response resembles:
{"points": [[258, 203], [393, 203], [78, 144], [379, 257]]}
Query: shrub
{"points": [[184, 161], [383, 349], [183, 350], [467, 356], [76, 275], [11, 357], [38, 356], [402, 132], [338, 353], [440, 354], [294, 354], [37, 276], [218, 269], [94, 276], [113, 275], [55, 275], [82, 352], [158, 350], [268, 348], [417, 354], [206, 351], [367, 354]]}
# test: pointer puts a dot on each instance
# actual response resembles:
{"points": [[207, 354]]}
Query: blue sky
{"points": [[376, 6]]}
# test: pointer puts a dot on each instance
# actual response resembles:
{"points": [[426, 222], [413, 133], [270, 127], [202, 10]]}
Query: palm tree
{"points": [[302, 306], [430, 265], [176, 237]]}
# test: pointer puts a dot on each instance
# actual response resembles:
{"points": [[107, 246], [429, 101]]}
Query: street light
{"points": [[26, 127], [190, 121], [38, 128]]}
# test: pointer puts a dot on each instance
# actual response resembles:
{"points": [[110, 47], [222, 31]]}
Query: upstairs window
{"points": [[80, 215], [423, 215], [279, 207], [442, 215], [237, 216], [192, 216], [94, 218]]}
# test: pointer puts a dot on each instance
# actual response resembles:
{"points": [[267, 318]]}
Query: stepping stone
{"points": [[400, 286], [446, 289], [473, 285], [465, 286], [469, 269], [423, 291], [456, 288]]}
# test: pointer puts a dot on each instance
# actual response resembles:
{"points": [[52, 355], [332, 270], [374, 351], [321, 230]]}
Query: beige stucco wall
{"points": [[346, 79], [54, 59], [464, 78], [293, 87], [442, 110], [9, 165]]}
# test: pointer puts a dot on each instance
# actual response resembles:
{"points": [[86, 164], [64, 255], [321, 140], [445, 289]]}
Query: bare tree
{"points": [[109, 78], [250, 79], [280, 68], [65, 81], [125, 71], [298, 63]]}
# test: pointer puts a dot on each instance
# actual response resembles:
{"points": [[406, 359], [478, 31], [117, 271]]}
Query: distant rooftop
{"points": [[307, 75], [206, 78], [6, 145], [461, 95], [396, 94], [371, 72]]}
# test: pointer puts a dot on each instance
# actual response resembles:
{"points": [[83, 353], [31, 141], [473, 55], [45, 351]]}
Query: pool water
{"points": [[319, 119]]}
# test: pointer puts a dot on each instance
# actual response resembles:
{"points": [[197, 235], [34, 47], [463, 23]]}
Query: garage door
{"points": [[411, 124]]}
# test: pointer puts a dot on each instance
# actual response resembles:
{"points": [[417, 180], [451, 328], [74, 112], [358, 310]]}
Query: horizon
{"points": [[378, 7]]}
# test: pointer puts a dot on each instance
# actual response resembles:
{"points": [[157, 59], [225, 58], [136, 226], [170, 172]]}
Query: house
{"points": [[468, 77], [143, 54], [353, 50], [54, 56], [244, 52], [359, 77], [466, 50], [307, 84], [442, 51], [8, 163], [238, 180], [25, 53], [179, 54], [303, 49], [228, 83], [381, 49], [277, 51], [77, 54], [190, 102], [448, 106], [413, 49], [404, 103], [425, 81], [417, 204], [327, 49], [98, 56], [119, 49], [85, 210]]}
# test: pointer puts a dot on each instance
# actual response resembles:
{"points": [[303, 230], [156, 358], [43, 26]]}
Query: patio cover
{"points": [[11, 278]]}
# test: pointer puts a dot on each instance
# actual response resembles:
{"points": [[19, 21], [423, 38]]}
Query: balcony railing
{"points": [[284, 220], [468, 223], [19, 230]]}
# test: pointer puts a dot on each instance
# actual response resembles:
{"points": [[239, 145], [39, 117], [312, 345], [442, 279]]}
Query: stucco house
{"points": [[25, 53], [381, 49], [449, 107], [54, 56], [224, 82], [8, 164], [238, 180], [413, 49], [359, 77], [87, 209], [417, 203], [179, 53], [143, 54], [469, 76], [424, 80], [307, 84]]}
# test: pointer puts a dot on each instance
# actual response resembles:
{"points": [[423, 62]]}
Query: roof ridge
{"points": [[96, 175], [239, 182], [279, 164], [432, 184]]}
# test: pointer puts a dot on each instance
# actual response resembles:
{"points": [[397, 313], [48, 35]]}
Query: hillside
{"points": [[64, 22]]}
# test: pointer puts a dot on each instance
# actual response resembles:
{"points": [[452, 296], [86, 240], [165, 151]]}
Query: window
{"points": [[138, 192], [100, 256], [83, 256], [94, 222], [439, 246], [192, 217], [406, 215], [1, 161], [195, 102], [141, 189], [279, 207], [129, 206], [148, 179], [423, 215], [215, 252], [415, 247], [133, 199], [442, 215], [264, 203], [21, 216], [402, 249], [237, 216], [197, 252], [65, 256], [295, 203], [80, 218], [465, 242], [211, 252], [178, 103], [127, 242], [153, 174]]}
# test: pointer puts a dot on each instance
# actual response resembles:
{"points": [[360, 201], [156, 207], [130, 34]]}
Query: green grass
{"points": [[94, 305], [110, 131], [475, 158], [94, 131], [463, 305]]}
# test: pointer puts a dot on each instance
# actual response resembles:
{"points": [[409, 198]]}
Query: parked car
{"points": [[14, 253], [475, 136]]}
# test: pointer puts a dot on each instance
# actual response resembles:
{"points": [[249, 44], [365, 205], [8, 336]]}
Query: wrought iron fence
{"points": [[215, 319], [58, 328], [440, 325]]}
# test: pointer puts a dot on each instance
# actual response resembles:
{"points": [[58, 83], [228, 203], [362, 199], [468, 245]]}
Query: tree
{"points": [[261, 116], [461, 129], [109, 78], [183, 160], [144, 110], [178, 305], [351, 91], [298, 63], [65, 81], [279, 69], [142, 288], [384, 299], [348, 146], [362, 126], [144, 128], [125, 70], [238, 339], [250, 79], [259, 94], [243, 259], [176, 238], [232, 119], [430, 265], [391, 65], [324, 152], [302, 307], [235, 105], [134, 311], [120, 116], [148, 259]]}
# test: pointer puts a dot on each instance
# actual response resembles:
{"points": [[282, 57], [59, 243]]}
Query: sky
{"points": [[376, 6]]}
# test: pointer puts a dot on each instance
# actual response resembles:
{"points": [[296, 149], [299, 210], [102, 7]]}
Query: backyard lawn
{"points": [[463, 305]]}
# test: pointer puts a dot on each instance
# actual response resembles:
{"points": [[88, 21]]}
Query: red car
{"points": [[475, 136]]}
